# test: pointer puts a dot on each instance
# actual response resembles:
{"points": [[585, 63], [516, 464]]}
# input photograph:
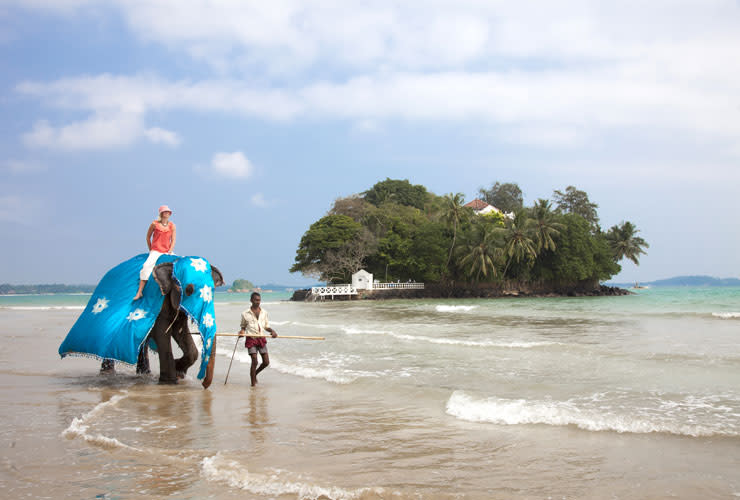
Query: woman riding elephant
{"points": [[113, 327]]}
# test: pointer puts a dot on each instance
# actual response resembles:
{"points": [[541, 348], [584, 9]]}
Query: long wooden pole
{"points": [[232, 360], [266, 336], [269, 336]]}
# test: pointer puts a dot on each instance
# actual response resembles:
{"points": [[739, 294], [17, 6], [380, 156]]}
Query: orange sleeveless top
{"points": [[162, 237]]}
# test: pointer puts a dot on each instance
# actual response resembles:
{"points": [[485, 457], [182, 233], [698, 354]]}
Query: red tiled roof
{"points": [[477, 204]]}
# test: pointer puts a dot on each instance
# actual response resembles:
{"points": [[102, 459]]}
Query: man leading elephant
{"points": [[256, 321]]}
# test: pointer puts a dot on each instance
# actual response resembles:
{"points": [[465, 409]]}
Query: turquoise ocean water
{"points": [[594, 397]]}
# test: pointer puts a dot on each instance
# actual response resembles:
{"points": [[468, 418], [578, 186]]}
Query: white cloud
{"points": [[440, 35], [23, 166], [19, 209], [564, 106], [234, 165], [97, 132], [555, 136], [258, 200], [554, 74], [367, 126], [161, 136]]}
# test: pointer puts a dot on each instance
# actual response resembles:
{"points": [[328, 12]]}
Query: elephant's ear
{"points": [[163, 276], [218, 279]]}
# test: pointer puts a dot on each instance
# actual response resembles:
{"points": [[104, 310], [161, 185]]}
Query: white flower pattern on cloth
{"points": [[197, 271], [136, 315], [208, 320], [199, 264], [206, 294], [101, 304]]}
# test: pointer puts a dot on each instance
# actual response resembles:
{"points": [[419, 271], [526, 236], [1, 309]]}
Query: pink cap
{"points": [[164, 208]]}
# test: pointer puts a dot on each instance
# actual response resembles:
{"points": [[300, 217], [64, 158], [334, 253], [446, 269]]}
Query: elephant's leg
{"points": [[107, 367], [161, 336], [185, 341], [142, 364]]}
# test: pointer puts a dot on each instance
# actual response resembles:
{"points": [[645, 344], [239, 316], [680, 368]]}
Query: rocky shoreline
{"points": [[487, 290]]}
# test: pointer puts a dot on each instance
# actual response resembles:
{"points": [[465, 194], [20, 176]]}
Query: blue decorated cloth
{"points": [[199, 305], [112, 326]]}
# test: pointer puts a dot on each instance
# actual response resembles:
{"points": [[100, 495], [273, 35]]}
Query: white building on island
{"points": [[480, 207], [362, 280]]}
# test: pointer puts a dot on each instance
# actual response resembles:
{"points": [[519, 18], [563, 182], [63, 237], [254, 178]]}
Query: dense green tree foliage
{"points": [[483, 252], [454, 214], [242, 284], [543, 225], [580, 255], [330, 233], [575, 201], [352, 206], [399, 231], [506, 196], [401, 192]]}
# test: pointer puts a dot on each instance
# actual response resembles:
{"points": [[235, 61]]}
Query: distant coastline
{"points": [[698, 281], [704, 281], [45, 289], [7, 289]]}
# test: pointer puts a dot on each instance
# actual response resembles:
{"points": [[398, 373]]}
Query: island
{"points": [[491, 246], [241, 286]]}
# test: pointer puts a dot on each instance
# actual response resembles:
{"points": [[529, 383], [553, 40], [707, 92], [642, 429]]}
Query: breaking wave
{"points": [[274, 484], [454, 308], [447, 340], [334, 375], [727, 315], [597, 413], [80, 425]]}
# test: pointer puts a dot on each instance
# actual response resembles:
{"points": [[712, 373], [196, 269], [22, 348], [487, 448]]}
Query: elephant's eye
{"points": [[189, 290]]}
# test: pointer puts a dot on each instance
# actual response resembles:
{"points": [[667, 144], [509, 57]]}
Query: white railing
{"points": [[398, 286], [334, 290]]}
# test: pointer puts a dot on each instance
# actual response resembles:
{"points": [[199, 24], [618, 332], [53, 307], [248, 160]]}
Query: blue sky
{"points": [[250, 118]]}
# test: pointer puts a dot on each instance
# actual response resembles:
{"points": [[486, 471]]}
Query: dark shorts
{"points": [[262, 349]]}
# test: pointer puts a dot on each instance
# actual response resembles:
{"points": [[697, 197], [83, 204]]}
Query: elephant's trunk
{"points": [[211, 365]]}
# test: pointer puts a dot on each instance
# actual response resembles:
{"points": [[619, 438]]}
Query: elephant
{"points": [[172, 323], [113, 328]]}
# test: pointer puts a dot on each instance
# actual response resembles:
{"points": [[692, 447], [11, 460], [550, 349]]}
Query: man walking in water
{"points": [[255, 321]]}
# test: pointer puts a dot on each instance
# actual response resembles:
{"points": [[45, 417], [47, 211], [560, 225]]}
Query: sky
{"points": [[249, 118]]}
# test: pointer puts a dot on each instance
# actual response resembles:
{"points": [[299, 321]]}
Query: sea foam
{"points": [[514, 344], [669, 417], [334, 375], [454, 308], [274, 484], [80, 425], [727, 315]]}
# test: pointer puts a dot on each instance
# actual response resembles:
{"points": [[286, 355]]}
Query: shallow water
{"points": [[611, 397]]}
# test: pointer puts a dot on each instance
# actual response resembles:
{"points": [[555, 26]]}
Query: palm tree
{"points": [[624, 242], [519, 245], [454, 213], [542, 225], [481, 256]]}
